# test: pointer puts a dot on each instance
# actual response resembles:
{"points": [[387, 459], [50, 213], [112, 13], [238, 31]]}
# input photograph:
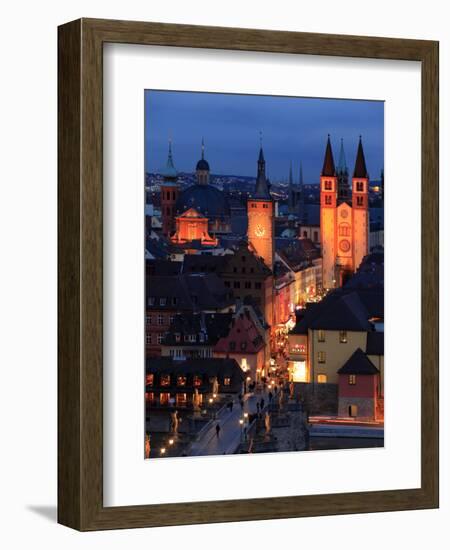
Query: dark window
{"points": [[236, 284], [248, 284], [316, 236], [359, 201], [360, 186], [227, 284], [328, 199], [328, 186], [257, 286]]}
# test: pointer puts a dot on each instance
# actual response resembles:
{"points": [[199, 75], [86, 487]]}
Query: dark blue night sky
{"points": [[293, 129]]}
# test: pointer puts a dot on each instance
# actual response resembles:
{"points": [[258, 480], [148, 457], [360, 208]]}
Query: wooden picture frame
{"points": [[80, 272]]}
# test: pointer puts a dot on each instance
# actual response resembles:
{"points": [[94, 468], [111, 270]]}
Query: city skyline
{"points": [[293, 130]]}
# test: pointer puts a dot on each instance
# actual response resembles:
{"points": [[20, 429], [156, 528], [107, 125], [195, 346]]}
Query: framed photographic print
{"points": [[248, 274]]}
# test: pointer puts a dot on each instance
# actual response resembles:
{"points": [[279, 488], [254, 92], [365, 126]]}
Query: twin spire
{"points": [[329, 168]]}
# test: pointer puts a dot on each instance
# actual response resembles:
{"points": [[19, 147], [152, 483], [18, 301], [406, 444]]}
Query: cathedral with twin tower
{"points": [[202, 213]]}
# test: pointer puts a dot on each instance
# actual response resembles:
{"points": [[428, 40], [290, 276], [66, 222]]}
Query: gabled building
{"points": [[245, 344], [167, 296], [174, 384], [327, 333], [194, 335], [358, 387]]}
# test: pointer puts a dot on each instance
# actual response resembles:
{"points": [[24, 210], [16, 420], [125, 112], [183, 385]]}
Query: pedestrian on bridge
{"points": [[217, 429]]}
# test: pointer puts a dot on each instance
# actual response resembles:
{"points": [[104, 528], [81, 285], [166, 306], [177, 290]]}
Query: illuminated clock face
{"points": [[260, 230], [344, 245]]}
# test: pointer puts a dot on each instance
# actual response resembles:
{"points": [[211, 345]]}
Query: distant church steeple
{"points": [[169, 194], [202, 168], [291, 192], [342, 174]]}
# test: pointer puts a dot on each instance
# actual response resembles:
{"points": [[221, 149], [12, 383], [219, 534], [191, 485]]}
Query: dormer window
{"points": [[162, 301]]}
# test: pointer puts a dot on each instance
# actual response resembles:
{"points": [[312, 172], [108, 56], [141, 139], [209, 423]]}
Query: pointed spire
{"points": [[342, 164], [360, 163], [300, 176], [170, 171], [203, 149], [328, 162], [262, 187]]}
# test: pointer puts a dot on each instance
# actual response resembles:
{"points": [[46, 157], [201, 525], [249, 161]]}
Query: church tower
{"points": [[342, 174], [202, 168], [328, 202], [260, 209], [360, 207], [169, 195]]}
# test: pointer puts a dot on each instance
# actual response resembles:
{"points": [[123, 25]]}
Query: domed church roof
{"points": [[208, 200], [202, 164]]}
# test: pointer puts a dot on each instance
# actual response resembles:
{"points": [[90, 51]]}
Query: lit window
{"points": [[165, 380], [181, 399], [150, 397], [177, 337], [352, 379], [321, 378], [321, 356], [343, 336], [160, 338], [226, 381], [149, 379], [164, 398], [181, 380], [321, 336], [299, 373], [197, 381]]}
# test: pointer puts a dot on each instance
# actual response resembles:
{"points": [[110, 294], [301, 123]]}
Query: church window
{"points": [[344, 230], [328, 199], [360, 186], [328, 186], [265, 205], [359, 201]]}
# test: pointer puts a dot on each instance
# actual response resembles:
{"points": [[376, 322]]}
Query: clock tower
{"points": [[260, 209]]}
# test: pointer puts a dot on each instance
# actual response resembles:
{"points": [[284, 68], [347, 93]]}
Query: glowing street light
{"points": [[163, 450], [170, 441]]}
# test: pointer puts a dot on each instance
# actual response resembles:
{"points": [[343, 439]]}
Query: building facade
{"points": [[344, 223]]}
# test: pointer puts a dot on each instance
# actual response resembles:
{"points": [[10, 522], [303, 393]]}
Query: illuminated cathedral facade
{"points": [[344, 217]]}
